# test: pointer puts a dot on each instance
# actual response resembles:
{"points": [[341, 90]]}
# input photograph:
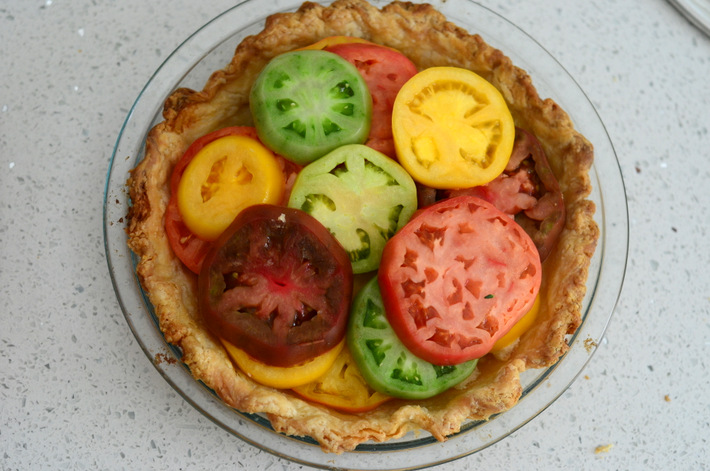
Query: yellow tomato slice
{"points": [[342, 387], [226, 176], [333, 40], [452, 128], [519, 328], [283, 377]]}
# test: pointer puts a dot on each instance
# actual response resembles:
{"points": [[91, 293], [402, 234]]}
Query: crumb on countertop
{"points": [[603, 449]]}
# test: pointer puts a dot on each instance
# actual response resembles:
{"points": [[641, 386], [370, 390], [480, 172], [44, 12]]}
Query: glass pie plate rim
{"points": [[208, 49]]}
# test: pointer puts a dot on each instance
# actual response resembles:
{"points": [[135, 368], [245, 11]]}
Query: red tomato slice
{"points": [[456, 278], [189, 248], [277, 285], [385, 70]]}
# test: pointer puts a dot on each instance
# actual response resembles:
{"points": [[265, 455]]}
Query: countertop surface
{"points": [[77, 391]]}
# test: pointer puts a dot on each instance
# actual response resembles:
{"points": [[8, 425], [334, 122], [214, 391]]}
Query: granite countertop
{"points": [[77, 391]]}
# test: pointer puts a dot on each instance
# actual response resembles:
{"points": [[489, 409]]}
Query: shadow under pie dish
{"points": [[496, 385]]}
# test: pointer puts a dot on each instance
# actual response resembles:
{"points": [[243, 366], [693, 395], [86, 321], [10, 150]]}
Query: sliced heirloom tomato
{"points": [[284, 377], [188, 247], [452, 128], [277, 285], [386, 364], [343, 388], [223, 178], [385, 70], [306, 103], [456, 278], [361, 196]]}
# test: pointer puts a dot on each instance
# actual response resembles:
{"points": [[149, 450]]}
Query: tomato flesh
{"points": [[224, 177], [361, 196], [306, 103], [276, 285], [283, 377], [452, 128], [385, 70], [343, 388], [189, 248], [456, 278], [387, 365]]}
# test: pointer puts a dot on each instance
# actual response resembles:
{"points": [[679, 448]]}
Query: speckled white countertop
{"points": [[77, 391]]}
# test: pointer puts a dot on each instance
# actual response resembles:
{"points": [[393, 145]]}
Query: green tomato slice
{"points": [[362, 196], [385, 363], [307, 103]]}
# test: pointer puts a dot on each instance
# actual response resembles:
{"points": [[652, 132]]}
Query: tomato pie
{"points": [[368, 223]]}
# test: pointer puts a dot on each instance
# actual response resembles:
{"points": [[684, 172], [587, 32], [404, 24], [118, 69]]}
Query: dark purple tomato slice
{"points": [[277, 285]]}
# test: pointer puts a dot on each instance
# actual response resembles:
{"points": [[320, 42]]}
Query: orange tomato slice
{"points": [[342, 387], [283, 377], [452, 128]]}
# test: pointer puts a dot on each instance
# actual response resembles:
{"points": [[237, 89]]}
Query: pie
{"points": [[428, 39]]}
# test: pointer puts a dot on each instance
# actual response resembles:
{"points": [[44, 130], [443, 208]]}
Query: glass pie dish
{"points": [[209, 49]]}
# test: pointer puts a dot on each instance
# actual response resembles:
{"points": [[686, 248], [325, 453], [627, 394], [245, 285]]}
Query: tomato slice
{"points": [[452, 128], [385, 70], [283, 377], [456, 278], [343, 388], [277, 285], [361, 196], [224, 177], [189, 248], [306, 103], [385, 362], [519, 328]]}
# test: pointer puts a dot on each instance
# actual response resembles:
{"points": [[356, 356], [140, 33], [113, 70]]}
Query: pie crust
{"points": [[428, 39]]}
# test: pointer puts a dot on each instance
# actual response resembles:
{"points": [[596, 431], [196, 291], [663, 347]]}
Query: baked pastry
{"points": [[428, 39]]}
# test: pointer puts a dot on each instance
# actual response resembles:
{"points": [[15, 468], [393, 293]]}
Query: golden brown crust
{"points": [[224, 101]]}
